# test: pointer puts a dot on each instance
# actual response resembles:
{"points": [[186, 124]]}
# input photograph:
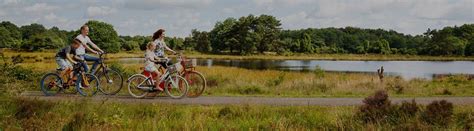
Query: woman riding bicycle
{"points": [[158, 40]]}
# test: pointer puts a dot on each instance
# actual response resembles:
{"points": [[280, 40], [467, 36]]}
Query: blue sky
{"points": [[178, 17]]}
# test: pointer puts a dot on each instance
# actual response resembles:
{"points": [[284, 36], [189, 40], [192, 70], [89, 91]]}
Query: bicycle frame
{"points": [[151, 81], [102, 65]]}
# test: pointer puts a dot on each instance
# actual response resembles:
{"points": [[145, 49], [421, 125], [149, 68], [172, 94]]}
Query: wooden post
{"points": [[380, 73]]}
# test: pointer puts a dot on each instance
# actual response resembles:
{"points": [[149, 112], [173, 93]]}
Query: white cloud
{"points": [[263, 2], [40, 8], [159, 4], [51, 17], [10, 2], [2, 13], [228, 10], [143, 17], [97, 11]]}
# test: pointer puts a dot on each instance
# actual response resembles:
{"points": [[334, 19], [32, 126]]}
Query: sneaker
{"points": [[83, 87]]}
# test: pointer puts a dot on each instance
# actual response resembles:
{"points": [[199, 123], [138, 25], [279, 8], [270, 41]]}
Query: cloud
{"points": [[143, 17], [11, 2], [97, 11], [167, 4], [406, 16], [51, 17], [40, 8]]}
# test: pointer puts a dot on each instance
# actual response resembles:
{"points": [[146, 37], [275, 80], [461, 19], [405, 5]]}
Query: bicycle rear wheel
{"points": [[51, 84], [90, 90], [136, 83], [197, 83], [176, 87], [111, 82]]}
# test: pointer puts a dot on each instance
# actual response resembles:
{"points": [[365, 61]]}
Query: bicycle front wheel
{"points": [[111, 82], [51, 84], [137, 85], [176, 87], [197, 83], [88, 88]]}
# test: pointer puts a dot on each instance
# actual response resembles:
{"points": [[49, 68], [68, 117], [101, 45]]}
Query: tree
{"points": [[46, 40], [12, 37], [32, 29], [130, 45], [6, 39], [104, 35], [200, 41], [268, 28], [221, 36]]}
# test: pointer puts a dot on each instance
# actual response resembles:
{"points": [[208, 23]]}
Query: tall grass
{"points": [[27, 114]]}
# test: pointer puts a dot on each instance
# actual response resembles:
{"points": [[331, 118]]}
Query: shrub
{"points": [[438, 113], [375, 108], [277, 81], [20, 73], [78, 120], [28, 108], [249, 90], [319, 72], [225, 112], [465, 120], [446, 92], [409, 108]]}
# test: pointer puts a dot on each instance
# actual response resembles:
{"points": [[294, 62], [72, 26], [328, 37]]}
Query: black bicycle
{"points": [[111, 81]]}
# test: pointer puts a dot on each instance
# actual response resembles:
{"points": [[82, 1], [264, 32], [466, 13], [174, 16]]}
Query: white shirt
{"points": [[149, 56], [85, 40]]}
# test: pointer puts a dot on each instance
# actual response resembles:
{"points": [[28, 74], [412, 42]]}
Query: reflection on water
{"points": [[406, 69]]}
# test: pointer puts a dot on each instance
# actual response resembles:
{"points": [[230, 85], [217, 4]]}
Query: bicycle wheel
{"points": [[197, 83], [111, 82], [90, 90], [136, 85], [176, 87], [51, 84]]}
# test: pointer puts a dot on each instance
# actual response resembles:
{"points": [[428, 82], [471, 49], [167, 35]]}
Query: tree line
{"points": [[255, 35]]}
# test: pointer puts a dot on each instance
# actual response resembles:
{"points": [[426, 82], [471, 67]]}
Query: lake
{"points": [[405, 69]]}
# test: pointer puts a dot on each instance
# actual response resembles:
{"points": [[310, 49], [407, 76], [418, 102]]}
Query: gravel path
{"points": [[222, 100]]}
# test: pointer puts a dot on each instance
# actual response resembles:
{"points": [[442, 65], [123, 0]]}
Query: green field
{"points": [[19, 113], [231, 81]]}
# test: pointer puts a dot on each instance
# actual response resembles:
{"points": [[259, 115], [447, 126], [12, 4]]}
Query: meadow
{"points": [[28, 114], [231, 81], [17, 113]]}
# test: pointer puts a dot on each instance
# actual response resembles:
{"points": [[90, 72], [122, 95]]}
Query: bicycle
{"points": [[86, 84], [175, 86], [197, 82], [110, 80]]}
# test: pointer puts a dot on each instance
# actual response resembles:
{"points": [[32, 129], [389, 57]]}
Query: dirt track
{"points": [[222, 100]]}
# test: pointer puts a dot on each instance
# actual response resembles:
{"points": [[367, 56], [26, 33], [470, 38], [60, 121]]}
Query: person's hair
{"points": [[157, 34], [84, 26], [149, 45], [76, 41]]}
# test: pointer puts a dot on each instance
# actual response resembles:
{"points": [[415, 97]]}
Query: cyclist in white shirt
{"points": [[81, 51]]}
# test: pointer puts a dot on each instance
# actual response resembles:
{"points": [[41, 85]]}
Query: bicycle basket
{"points": [[191, 63]]}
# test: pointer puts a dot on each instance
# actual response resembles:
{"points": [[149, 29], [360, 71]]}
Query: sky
{"points": [[179, 17]]}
